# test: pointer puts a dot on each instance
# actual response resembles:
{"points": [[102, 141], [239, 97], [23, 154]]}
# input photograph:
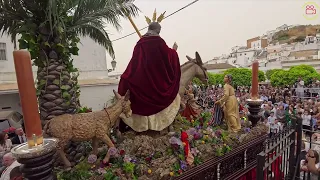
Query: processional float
{"points": [[36, 155]]}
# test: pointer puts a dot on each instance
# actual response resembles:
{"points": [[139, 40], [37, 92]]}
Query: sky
{"points": [[211, 27]]}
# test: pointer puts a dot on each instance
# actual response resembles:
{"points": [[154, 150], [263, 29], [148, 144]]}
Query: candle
{"points": [[28, 98], [255, 81]]}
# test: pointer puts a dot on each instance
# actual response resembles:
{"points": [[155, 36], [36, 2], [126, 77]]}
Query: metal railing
{"points": [[279, 160], [311, 144]]}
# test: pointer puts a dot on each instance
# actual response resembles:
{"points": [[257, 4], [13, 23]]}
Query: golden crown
{"points": [[154, 17]]}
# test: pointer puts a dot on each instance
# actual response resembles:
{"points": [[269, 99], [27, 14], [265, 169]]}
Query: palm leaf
{"points": [[148, 19], [161, 17], [154, 18], [83, 17], [99, 35]]}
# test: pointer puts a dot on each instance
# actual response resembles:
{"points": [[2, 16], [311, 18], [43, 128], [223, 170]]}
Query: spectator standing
{"points": [[300, 88]]}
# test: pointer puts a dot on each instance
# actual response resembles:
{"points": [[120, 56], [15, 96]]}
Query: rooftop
{"points": [[218, 66]]}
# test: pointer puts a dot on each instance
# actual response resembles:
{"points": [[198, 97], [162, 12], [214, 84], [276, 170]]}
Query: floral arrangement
{"points": [[188, 145]]}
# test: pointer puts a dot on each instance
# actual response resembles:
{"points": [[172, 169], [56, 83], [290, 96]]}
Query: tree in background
{"points": [[50, 30], [241, 77], [289, 77], [270, 72]]}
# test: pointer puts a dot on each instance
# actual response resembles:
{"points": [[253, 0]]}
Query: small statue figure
{"points": [[230, 106], [93, 126], [192, 109]]}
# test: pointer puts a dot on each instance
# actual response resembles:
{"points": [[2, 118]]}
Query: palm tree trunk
{"points": [[55, 88]]}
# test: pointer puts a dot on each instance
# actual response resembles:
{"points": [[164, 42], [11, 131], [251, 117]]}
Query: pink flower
{"points": [[112, 151], [194, 151], [101, 171], [173, 140], [126, 159], [191, 131], [92, 159]]}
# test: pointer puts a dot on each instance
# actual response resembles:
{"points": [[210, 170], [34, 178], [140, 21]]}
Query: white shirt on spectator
{"points": [[306, 119], [275, 127], [300, 86], [6, 173], [271, 119]]}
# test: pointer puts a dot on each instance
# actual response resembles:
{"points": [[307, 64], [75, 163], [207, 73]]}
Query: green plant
{"points": [[300, 39], [289, 77], [74, 175], [270, 72], [283, 36], [110, 176], [50, 30], [128, 168]]}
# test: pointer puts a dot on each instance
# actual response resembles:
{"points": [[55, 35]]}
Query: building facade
{"points": [[95, 85]]}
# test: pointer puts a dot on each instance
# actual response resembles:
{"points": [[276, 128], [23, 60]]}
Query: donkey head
{"points": [[201, 71], [125, 102]]}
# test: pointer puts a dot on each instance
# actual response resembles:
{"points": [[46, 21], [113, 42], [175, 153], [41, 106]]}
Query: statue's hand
{"points": [[175, 46]]}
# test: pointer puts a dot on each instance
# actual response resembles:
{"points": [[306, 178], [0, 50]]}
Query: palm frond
{"points": [[126, 8], [161, 17], [148, 19], [85, 17], [154, 17], [99, 35]]}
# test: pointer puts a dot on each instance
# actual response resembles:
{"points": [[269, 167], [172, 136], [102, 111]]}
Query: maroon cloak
{"points": [[152, 76]]}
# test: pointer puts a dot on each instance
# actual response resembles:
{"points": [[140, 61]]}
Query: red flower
{"points": [[122, 152], [180, 171], [148, 159]]}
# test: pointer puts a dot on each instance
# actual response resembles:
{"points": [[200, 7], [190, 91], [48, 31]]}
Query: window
{"points": [[240, 54], [3, 51], [245, 54]]}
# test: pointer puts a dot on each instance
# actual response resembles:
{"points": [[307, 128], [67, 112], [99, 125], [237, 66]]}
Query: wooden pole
{"points": [[28, 98], [134, 26]]}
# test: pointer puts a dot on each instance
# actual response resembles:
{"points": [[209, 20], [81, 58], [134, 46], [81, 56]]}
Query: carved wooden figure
{"points": [[93, 126]]}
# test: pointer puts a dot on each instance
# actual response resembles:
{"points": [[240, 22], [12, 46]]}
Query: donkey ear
{"points": [[198, 59], [117, 95], [127, 95], [189, 58]]}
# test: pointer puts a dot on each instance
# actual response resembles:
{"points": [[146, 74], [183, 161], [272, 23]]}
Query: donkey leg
{"points": [[108, 141], [95, 145], [60, 149]]}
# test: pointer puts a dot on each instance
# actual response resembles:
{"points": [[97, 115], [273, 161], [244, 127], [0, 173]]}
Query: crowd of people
{"points": [[10, 167], [278, 104]]}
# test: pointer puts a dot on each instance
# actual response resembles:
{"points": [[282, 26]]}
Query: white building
{"points": [[282, 28], [244, 57], [96, 87]]}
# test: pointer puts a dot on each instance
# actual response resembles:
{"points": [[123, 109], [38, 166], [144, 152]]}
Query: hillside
{"points": [[295, 34]]}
